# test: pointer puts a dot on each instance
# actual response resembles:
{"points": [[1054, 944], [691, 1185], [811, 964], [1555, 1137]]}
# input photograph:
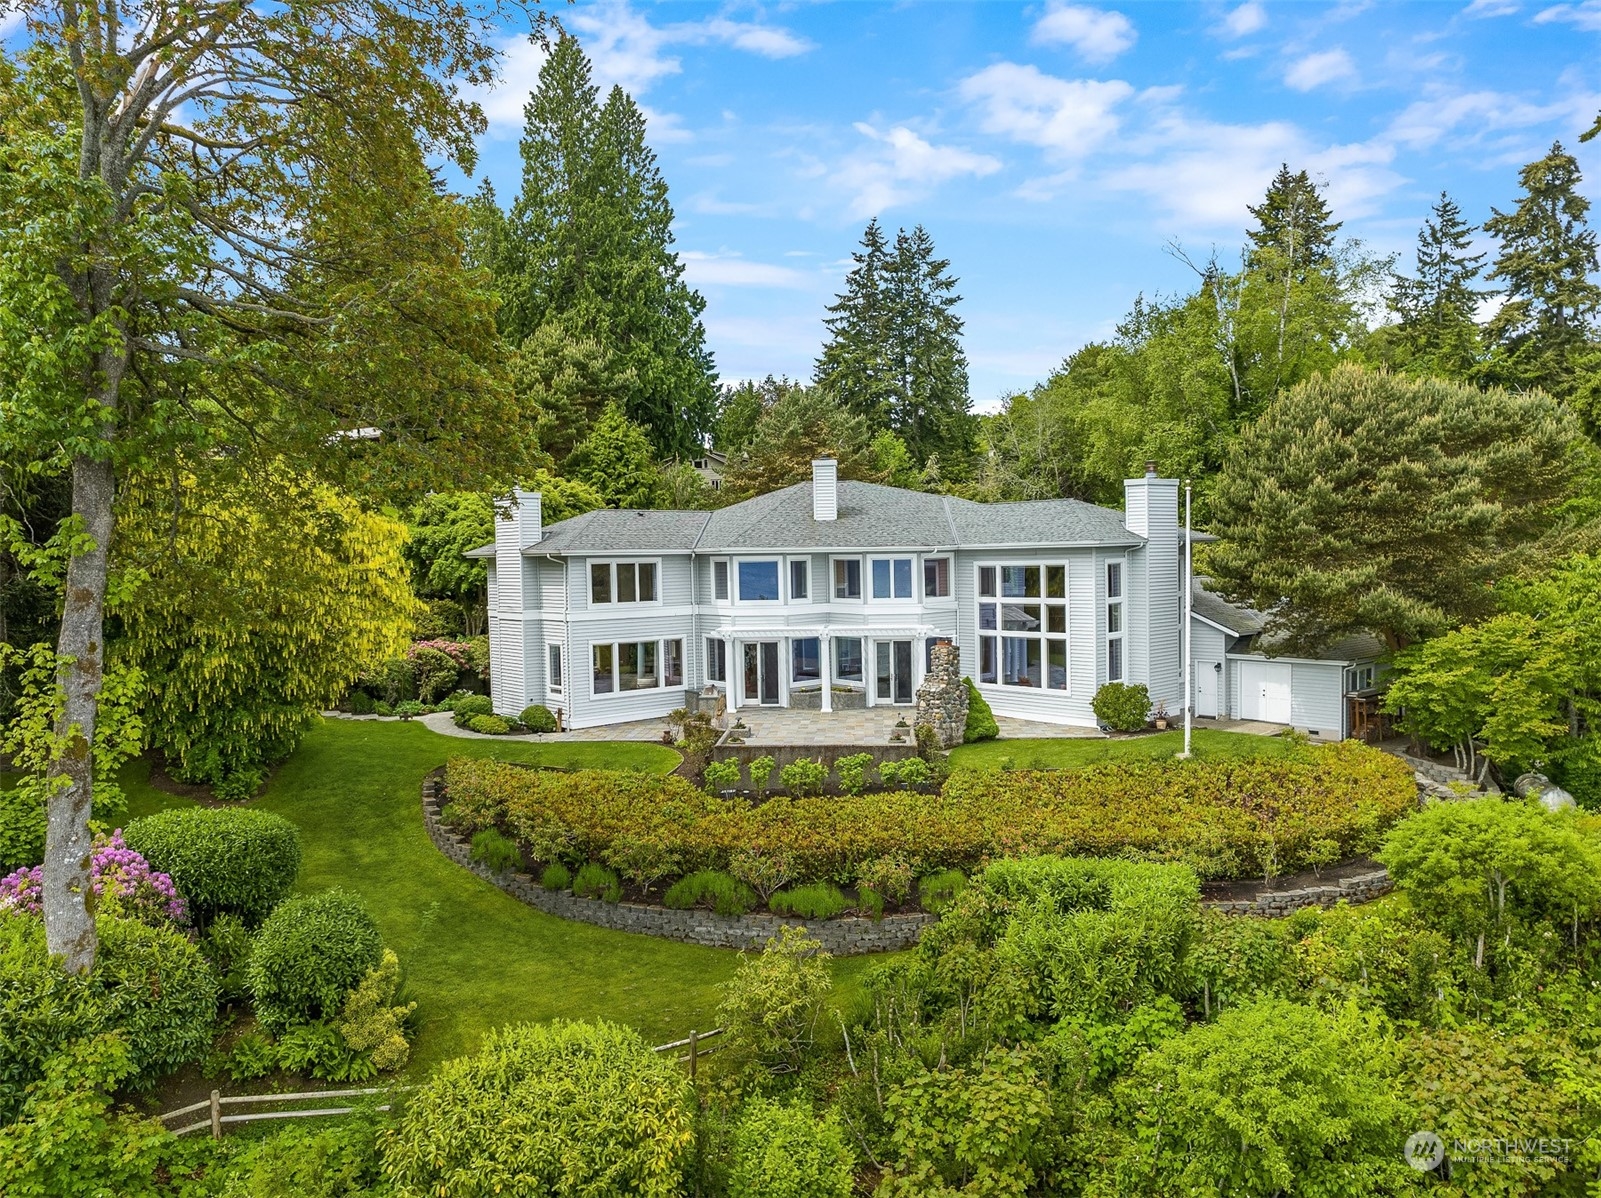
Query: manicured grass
{"points": [[474, 957], [1076, 752]]}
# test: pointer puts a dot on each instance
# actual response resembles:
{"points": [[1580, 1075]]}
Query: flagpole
{"points": [[1189, 601]]}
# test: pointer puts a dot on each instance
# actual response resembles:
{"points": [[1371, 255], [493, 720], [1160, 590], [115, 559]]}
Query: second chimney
{"points": [[825, 489]]}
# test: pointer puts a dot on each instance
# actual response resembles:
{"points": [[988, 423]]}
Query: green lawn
{"points": [[1076, 752], [474, 957]]}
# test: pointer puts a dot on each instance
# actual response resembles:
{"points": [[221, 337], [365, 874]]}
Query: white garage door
{"points": [[1265, 691]]}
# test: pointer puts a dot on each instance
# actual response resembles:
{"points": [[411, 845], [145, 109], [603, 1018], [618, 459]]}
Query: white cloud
{"points": [[769, 41], [1068, 117], [1490, 8], [899, 166], [1327, 66], [1097, 35], [1586, 16], [1245, 20], [1481, 114], [730, 270]]}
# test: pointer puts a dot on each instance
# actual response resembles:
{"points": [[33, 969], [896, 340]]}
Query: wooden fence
{"points": [[215, 1119]]}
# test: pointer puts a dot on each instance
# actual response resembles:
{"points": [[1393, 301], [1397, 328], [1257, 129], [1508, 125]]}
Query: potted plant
{"points": [[1159, 716]]}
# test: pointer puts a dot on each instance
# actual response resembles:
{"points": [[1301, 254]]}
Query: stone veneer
{"points": [[942, 699], [1274, 904], [842, 937]]}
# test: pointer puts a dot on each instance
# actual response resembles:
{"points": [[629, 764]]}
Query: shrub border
{"points": [[847, 937]]}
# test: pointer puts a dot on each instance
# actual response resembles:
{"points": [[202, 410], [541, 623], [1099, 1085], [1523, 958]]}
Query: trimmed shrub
{"points": [[789, 1151], [236, 860], [538, 718], [1122, 707], [804, 776], [915, 772], [465, 707], [815, 900], [596, 881], [149, 984], [1218, 815], [556, 877], [596, 1112], [723, 893], [852, 772], [489, 725], [938, 891], [981, 723], [312, 951], [721, 775], [761, 774], [494, 849]]}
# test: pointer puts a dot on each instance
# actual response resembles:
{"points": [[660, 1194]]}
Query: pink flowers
{"points": [[122, 880], [457, 651]]}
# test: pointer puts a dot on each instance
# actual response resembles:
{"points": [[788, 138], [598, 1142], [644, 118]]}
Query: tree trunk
{"points": [[67, 901]]}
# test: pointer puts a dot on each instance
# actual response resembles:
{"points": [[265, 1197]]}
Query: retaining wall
{"points": [[843, 937], [1274, 904]]}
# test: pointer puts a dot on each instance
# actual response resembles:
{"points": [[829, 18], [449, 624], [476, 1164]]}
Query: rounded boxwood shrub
{"points": [[465, 707], [489, 725], [537, 718], [149, 984], [558, 1108], [312, 951], [981, 723], [789, 1152], [1121, 707], [235, 860]]}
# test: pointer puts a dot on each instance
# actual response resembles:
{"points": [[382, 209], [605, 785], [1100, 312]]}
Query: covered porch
{"points": [[819, 668]]}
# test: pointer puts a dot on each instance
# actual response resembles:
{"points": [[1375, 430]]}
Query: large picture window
{"points": [[758, 582], [637, 665], [1022, 624], [622, 582]]}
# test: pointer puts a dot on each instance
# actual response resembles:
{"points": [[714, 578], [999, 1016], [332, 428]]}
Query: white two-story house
{"points": [[828, 594]]}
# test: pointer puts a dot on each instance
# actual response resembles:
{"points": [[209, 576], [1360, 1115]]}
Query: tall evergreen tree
{"points": [[587, 247], [1294, 222], [1543, 333], [854, 366], [1437, 332], [894, 354]]}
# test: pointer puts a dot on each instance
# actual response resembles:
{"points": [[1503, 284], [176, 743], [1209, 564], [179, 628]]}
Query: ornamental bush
{"points": [[1221, 817], [556, 877], [852, 772], [981, 723], [564, 1109], [538, 718], [466, 707], [804, 776], [1122, 707], [312, 951], [495, 850], [596, 881], [236, 860], [788, 1151], [436, 672], [723, 893], [815, 900], [489, 725]]}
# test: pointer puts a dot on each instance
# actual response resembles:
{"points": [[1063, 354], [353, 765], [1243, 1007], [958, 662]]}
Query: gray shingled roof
{"points": [[1358, 646], [1241, 621], [870, 516], [1248, 624], [612, 531], [1038, 522]]}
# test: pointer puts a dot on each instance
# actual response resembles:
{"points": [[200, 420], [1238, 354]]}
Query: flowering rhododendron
{"points": [[457, 651], [122, 881]]}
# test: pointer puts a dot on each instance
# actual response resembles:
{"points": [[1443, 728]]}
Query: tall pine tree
{"points": [[894, 355], [1542, 336], [586, 254], [1293, 222], [1437, 333]]}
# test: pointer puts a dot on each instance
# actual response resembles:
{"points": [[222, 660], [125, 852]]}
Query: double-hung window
{"points": [[758, 582], [637, 665], [1022, 625], [1114, 621], [847, 578], [622, 582], [892, 578]]}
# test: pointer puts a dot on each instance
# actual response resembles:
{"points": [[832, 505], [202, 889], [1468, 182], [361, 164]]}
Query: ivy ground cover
{"points": [[475, 958]]}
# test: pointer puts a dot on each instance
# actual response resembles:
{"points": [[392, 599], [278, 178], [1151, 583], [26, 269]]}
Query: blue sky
{"points": [[1053, 149]]}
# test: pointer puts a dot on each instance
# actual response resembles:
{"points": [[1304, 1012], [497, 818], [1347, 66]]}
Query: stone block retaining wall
{"points": [[842, 937], [1274, 904]]}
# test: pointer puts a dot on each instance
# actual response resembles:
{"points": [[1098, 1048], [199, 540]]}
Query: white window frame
{"points": [[805, 563], [1121, 603], [555, 667], [950, 577], [778, 569], [861, 580], [858, 681], [892, 597], [728, 580], [716, 645], [1044, 636], [611, 563], [661, 644]]}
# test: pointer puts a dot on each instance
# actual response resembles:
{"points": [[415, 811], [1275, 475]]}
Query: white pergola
{"points": [[785, 635]]}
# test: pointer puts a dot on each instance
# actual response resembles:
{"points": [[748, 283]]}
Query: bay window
{"points": [[806, 652], [847, 578]]}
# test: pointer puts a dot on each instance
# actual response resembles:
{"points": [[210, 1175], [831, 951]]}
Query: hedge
{"points": [[225, 859], [313, 950], [1230, 818]]}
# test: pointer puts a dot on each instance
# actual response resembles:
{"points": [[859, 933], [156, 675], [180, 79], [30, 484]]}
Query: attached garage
{"points": [[1266, 688]]}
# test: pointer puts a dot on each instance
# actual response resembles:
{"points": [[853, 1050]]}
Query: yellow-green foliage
{"points": [[371, 1022], [1221, 817], [264, 599]]}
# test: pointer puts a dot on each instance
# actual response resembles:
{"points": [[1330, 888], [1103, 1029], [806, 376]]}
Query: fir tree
{"points": [[616, 459], [1294, 222], [1437, 331], [854, 366], [1542, 334], [586, 252]]}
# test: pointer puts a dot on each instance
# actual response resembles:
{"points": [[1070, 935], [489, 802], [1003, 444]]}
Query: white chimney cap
{"points": [[825, 489]]}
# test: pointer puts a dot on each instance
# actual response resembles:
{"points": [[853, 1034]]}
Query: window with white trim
{"points": [[848, 658], [758, 582], [892, 577], [622, 582], [1114, 621], [555, 669], [800, 572], [720, 579], [1022, 625], [936, 577], [716, 659], [637, 665], [847, 578], [806, 652]]}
